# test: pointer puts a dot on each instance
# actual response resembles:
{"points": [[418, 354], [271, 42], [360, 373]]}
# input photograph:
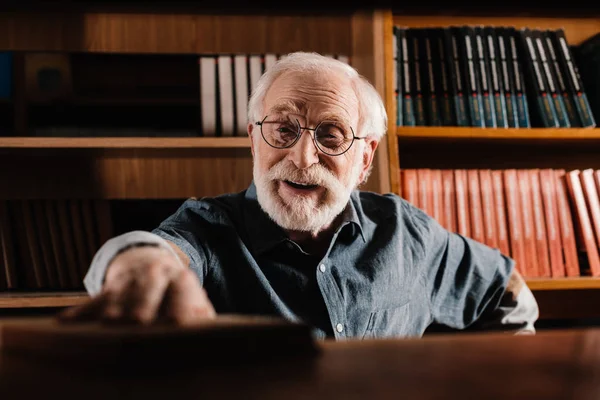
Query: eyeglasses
{"points": [[282, 132]]}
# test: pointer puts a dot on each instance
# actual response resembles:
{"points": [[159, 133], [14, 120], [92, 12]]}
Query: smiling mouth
{"points": [[302, 186]]}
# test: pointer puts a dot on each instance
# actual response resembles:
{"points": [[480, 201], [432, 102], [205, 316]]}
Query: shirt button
{"points": [[339, 328], [322, 268]]}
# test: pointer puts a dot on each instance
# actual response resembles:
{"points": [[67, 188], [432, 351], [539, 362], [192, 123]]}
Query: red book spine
{"points": [[462, 202], [515, 227], [539, 220], [531, 266], [547, 183], [488, 208], [449, 200], [410, 191], [566, 225], [584, 222], [477, 232], [593, 203], [436, 195], [425, 197], [500, 209]]}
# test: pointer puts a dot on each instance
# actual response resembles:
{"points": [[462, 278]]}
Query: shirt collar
{"points": [[264, 233]]}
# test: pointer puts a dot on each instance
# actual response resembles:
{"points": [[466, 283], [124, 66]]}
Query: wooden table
{"points": [[550, 365]]}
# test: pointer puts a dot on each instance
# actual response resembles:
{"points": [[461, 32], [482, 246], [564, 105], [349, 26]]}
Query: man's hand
{"points": [[145, 284]]}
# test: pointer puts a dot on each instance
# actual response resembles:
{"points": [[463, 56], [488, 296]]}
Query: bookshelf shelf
{"points": [[41, 299], [538, 284], [124, 142], [460, 133]]}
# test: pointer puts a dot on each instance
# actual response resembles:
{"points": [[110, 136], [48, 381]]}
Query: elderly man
{"points": [[301, 242]]}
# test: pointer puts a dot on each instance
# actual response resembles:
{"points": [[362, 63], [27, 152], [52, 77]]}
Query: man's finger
{"points": [[83, 312], [146, 294], [187, 300]]}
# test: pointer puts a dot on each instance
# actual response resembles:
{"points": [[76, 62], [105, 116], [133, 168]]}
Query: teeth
{"points": [[300, 183]]}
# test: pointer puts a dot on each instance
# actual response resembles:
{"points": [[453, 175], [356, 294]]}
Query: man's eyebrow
{"points": [[332, 117], [290, 107]]}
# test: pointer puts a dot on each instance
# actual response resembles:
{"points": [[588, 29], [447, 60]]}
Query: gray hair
{"points": [[372, 118]]}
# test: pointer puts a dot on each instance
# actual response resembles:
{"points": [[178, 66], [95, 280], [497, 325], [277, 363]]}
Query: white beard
{"points": [[302, 213]]}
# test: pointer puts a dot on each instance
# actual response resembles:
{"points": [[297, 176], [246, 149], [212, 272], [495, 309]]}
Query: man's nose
{"points": [[304, 153]]}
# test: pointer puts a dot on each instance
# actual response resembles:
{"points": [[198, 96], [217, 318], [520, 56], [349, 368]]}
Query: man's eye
{"points": [[285, 130]]}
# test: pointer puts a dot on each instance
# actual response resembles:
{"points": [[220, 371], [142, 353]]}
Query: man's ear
{"points": [[250, 131], [368, 155]]}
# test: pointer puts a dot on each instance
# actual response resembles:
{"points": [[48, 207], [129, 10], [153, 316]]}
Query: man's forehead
{"points": [[291, 95]]}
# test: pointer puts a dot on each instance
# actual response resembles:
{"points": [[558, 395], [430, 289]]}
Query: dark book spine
{"points": [[416, 81], [398, 77], [512, 115], [432, 109], [482, 62], [561, 79], [469, 70], [518, 77], [545, 112], [496, 81], [556, 97], [440, 70], [405, 84], [574, 83], [457, 89]]}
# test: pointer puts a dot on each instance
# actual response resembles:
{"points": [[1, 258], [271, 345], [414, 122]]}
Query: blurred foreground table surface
{"points": [[550, 365]]}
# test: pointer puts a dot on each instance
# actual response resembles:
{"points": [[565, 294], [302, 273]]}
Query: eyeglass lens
{"points": [[282, 131]]}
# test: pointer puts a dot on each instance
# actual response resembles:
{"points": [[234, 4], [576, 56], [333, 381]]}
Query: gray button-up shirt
{"points": [[390, 270]]}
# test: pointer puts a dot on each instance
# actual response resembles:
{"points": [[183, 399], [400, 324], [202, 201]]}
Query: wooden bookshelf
{"points": [[41, 299], [124, 142], [466, 133], [497, 148], [538, 284]]}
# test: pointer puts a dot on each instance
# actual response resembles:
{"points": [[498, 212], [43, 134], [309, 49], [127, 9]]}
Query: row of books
{"points": [[484, 76], [547, 220], [226, 83], [211, 102], [49, 244]]}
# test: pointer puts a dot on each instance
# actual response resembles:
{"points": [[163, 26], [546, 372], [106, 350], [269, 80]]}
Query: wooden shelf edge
{"points": [[450, 132], [124, 142], [41, 299], [538, 284]]}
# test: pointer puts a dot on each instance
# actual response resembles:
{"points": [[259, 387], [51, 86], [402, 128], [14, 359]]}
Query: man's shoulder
{"points": [[377, 205], [213, 209]]}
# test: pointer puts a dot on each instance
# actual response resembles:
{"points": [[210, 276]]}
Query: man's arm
{"points": [[517, 310], [473, 286], [94, 278]]}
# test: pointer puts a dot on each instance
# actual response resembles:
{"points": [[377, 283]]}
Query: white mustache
{"points": [[314, 175]]}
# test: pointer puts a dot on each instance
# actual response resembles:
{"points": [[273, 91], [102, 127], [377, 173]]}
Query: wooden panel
{"points": [[42, 299], [126, 173], [576, 29], [563, 134], [175, 33], [391, 105], [121, 142], [368, 58], [40, 31], [483, 153], [568, 304], [563, 283]]}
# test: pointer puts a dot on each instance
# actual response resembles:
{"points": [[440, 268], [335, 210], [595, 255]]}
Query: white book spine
{"points": [[241, 93], [270, 60], [208, 98], [255, 70], [226, 95]]}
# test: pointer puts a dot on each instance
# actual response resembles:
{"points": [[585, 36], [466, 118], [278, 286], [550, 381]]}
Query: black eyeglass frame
{"points": [[300, 129]]}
